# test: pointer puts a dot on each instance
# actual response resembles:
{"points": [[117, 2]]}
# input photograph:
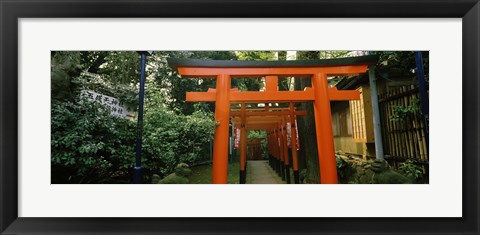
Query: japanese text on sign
{"points": [[116, 107]]}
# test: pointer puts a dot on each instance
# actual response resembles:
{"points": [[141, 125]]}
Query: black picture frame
{"points": [[11, 11]]}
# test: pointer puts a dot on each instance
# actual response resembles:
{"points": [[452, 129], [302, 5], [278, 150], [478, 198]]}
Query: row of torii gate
{"points": [[273, 120]]}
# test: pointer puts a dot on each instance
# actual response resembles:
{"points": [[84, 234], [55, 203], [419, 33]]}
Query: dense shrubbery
{"points": [[91, 146], [171, 138], [88, 144]]}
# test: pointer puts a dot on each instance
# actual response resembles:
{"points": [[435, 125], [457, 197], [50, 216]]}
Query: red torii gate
{"points": [[320, 93]]}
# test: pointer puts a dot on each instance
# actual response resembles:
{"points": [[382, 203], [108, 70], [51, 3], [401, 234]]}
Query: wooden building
{"points": [[352, 121]]}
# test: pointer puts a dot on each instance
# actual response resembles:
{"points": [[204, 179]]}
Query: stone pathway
{"points": [[259, 172]]}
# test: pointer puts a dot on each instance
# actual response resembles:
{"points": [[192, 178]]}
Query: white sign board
{"points": [[116, 107]]}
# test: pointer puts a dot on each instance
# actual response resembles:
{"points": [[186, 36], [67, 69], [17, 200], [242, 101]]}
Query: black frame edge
{"points": [[8, 118], [241, 8], [10, 11], [470, 125]]}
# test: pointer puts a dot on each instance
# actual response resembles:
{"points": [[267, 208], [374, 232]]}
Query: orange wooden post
{"points": [[221, 138], [281, 150], [293, 143], [243, 145], [275, 149], [323, 125], [271, 84], [269, 146], [285, 149], [284, 140]]}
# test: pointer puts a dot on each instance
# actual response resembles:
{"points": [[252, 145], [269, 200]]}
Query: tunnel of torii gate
{"points": [[320, 93], [274, 121]]}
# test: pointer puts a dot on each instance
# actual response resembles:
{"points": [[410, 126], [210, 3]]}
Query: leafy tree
{"points": [[92, 60], [119, 67], [175, 87], [400, 64], [256, 55], [65, 66]]}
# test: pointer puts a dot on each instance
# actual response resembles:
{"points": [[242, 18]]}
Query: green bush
{"points": [[88, 144], [171, 138], [91, 146], [410, 168]]}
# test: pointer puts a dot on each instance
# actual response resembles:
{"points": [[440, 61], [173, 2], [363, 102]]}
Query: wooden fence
{"points": [[402, 125]]}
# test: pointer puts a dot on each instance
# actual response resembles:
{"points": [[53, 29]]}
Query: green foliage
{"points": [[127, 94], [411, 168], [173, 87], [333, 54], [256, 55], [254, 84], [91, 146], [401, 113], [400, 63], [88, 144], [171, 138], [391, 177], [65, 66], [257, 134], [357, 171], [202, 174], [344, 169], [182, 172], [315, 55], [119, 67], [73, 71]]}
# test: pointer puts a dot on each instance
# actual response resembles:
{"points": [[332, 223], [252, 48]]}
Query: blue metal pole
{"points": [[422, 86], [137, 179]]}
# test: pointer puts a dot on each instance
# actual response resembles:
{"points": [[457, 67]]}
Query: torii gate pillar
{"points": [[221, 138], [323, 126], [293, 143], [243, 146]]}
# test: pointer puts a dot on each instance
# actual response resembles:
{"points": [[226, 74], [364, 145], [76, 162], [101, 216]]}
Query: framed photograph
{"points": [[44, 189]]}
